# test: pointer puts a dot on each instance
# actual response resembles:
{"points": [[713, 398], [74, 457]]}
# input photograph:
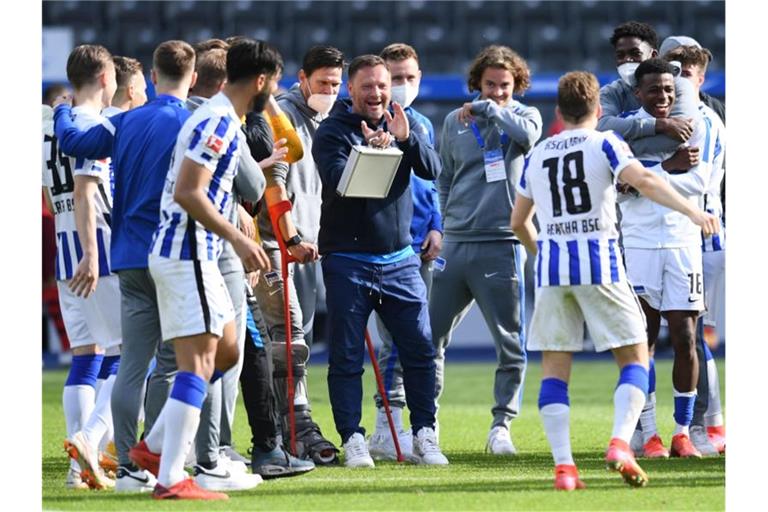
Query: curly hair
{"points": [[654, 66], [503, 57], [642, 31]]}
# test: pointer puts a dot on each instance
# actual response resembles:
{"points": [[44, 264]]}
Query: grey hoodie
{"points": [[474, 210], [301, 181], [618, 98]]}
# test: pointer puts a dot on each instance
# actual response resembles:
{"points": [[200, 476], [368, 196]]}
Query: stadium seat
{"points": [[131, 11], [554, 13], [422, 12], [65, 13], [553, 47], [653, 12]]}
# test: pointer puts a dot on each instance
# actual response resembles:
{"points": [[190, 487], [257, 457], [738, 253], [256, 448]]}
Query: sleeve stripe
{"points": [[610, 154], [197, 134], [106, 123]]}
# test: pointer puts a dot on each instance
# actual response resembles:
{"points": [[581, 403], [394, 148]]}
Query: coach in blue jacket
{"points": [[368, 262]]}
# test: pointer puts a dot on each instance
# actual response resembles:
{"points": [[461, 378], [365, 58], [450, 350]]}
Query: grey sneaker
{"points": [[701, 441], [278, 463]]}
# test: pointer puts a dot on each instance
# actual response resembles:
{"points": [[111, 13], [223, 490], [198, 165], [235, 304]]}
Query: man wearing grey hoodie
{"points": [[483, 146], [306, 104]]}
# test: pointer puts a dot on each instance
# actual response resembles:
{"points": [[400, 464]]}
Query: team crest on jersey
{"points": [[214, 143]]}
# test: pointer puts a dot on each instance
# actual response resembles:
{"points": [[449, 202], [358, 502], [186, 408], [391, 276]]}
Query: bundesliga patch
{"points": [[272, 278], [214, 143]]}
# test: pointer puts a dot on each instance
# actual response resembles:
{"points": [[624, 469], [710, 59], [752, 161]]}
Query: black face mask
{"points": [[260, 101]]}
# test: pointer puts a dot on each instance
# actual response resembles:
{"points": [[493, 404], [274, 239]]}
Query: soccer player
{"points": [[306, 104], [81, 196], [707, 429], [131, 86], [580, 278], [482, 147], [183, 260], [663, 252], [141, 142], [427, 234], [634, 42]]}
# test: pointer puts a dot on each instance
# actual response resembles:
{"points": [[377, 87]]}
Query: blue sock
{"points": [[217, 374], [189, 388], [684, 407], [635, 375], [651, 376], [84, 370], [553, 391], [109, 366]]}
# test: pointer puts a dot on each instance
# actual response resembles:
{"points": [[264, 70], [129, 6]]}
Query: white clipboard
{"points": [[369, 172]]}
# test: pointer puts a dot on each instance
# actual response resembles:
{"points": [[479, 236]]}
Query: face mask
{"points": [[627, 72], [404, 94], [321, 103]]}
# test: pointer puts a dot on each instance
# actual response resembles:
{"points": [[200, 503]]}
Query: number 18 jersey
{"points": [[571, 178]]}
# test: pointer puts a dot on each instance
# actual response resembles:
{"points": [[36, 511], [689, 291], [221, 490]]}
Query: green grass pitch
{"points": [[473, 481]]}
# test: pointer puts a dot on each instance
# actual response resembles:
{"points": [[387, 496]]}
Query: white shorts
{"points": [[667, 279], [714, 287], [612, 313], [192, 297], [92, 320]]}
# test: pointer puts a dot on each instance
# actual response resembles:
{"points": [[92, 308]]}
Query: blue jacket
{"points": [[141, 143], [377, 226], [426, 205]]}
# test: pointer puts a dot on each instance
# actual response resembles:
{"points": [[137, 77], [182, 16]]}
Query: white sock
{"points": [[100, 420], [78, 402], [628, 402], [648, 417], [154, 437], [713, 417], [185, 418], [556, 419]]}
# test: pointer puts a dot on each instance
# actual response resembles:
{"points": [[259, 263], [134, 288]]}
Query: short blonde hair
{"points": [[578, 95]]}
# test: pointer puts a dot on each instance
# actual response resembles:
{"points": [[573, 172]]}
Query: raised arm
{"points": [[522, 124], [94, 143]]}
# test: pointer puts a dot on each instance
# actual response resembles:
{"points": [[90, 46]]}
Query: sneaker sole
{"points": [[87, 475], [270, 472], [635, 477]]}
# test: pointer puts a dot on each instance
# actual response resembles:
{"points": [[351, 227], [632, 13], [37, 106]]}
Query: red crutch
{"points": [[275, 212], [383, 395]]}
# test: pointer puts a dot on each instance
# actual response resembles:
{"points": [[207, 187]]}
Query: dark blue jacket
{"points": [[377, 226], [426, 205]]}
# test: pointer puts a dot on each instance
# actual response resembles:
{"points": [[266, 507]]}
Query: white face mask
{"points": [[627, 72], [404, 94], [321, 103]]}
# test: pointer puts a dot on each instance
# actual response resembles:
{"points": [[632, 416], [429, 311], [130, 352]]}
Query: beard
{"points": [[259, 102]]}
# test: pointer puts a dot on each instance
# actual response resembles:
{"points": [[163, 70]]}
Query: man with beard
{"points": [[306, 104], [183, 260]]}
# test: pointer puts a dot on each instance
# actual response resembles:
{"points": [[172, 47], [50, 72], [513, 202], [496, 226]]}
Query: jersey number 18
{"points": [[573, 179]]}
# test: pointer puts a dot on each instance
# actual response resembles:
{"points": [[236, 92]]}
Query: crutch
{"points": [[383, 395], [275, 212]]}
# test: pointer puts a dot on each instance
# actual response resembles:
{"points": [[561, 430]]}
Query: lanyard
{"points": [[481, 141]]}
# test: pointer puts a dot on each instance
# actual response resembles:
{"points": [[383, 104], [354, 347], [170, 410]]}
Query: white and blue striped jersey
{"points": [[711, 202], [210, 137], [571, 179], [649, 225], [58, 175]]}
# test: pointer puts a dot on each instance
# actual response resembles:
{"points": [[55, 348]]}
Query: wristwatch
{"points": [[294, 240]]}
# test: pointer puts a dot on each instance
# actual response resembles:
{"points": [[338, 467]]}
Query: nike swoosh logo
{"points": [[144, 480], [463, 131], [692, 300], [491, 274], [224, 476]]}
